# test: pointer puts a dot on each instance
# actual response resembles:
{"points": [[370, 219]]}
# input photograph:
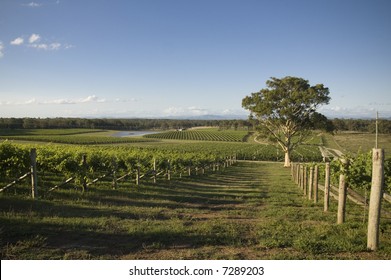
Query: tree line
{"points": [[362, 125], [358, 125], [115, 124]]}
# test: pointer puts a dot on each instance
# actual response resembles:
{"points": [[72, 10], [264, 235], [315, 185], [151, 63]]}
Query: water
{"points": [[133, 133]]}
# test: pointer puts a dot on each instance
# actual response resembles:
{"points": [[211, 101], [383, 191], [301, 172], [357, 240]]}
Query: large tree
{"points": [[286, 109]]}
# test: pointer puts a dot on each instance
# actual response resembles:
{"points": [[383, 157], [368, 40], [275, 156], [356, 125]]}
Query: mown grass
{"points": [[364, 142], [249, 211]]}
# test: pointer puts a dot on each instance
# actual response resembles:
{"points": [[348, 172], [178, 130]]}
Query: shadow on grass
{"points": [[249, 207], [106, 222]]}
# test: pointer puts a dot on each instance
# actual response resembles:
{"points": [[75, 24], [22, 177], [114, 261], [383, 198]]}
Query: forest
{"points": [[336, 125], [114, 124]]}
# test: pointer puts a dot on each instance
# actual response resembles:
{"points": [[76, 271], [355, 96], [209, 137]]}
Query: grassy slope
{"points": [[354, 142], [250, 211]]}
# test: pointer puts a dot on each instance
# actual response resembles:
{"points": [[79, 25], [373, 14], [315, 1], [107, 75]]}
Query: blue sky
{"points": [[145, 58]]}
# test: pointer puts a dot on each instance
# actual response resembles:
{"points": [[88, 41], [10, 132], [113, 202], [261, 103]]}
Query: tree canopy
{"points": [[286, 109]]}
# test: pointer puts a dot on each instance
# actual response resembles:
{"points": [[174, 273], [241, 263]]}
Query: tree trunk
{"points": [[287, 162]]}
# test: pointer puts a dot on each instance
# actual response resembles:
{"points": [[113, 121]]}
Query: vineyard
{"points": [[243, 151], [243, 212], [201, 135], [355, 174], [162, 198], [141, 154], [65, 162], [68, 136], [85, 163], [359, 170], [358, 173]]}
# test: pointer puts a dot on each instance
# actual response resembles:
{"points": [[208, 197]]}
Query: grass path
{"points": [[249, 211]]}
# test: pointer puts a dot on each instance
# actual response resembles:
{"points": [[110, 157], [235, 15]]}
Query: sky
{"points": [[174, 58]]}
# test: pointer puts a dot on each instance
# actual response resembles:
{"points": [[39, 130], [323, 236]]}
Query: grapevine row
{"points": [[77, 139], [68, 160], [359, 172], [200, 135]]}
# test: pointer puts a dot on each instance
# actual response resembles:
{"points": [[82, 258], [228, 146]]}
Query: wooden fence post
{"points": [[327, 187], [292, 169], [315, 184], [305, 181], [310, 182], [168, 170], [342, 192], [33, 169], [302, 179], [297, 173], [375, 199], [138, 174]]}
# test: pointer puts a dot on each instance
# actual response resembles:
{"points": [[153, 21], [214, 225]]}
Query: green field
{"points": [[354, 142], [251, 210], [215, 141], [50, 132], [243, 212], [68, 136]]}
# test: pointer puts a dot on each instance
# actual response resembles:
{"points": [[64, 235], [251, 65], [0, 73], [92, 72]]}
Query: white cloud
{"points": [[31, 101], [194, 111], [380, 104], [360, 111], [64, 101], [35, 41], [1, 49], [174, 111], [58, 102], [54, 46], [34, 38], [236, 112], [39, 46], [119, 100], [68, 46], [189, 111], [197, 111], [19, 102], [17, 41], [32, 5], [92, 98], [46, 47]]}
